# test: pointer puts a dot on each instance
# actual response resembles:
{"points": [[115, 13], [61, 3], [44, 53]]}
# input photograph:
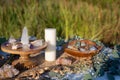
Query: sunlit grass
{"points": [[90, 19]]}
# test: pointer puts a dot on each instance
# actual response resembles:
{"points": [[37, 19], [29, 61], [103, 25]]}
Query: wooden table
{"points": [[24, 58]]}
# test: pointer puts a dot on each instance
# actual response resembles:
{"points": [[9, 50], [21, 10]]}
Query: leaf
{"points": [[101, 72], [52, 74], [113, 70], [118, 71], [87, 77], [59, 76], [110, 77], [2, 40], [115, 63], [115, 54]]}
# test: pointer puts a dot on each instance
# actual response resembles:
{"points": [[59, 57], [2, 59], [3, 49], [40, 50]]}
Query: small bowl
{"points": [[87, 53]]}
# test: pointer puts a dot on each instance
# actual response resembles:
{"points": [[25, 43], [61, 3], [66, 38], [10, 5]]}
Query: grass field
{"points": [[90, 19]]}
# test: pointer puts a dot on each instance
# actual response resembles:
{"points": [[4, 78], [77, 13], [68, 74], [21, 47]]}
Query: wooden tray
{"points": [[22, 52]]}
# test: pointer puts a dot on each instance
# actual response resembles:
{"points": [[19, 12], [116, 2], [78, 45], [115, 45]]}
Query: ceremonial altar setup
{"points": [[23, 48], [52, 58]]}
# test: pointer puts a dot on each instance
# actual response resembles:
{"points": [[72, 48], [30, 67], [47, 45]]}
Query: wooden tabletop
{"points": [[9, 49]]}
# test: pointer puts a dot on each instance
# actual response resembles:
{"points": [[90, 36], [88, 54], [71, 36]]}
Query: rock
{"points": [[14, 47], [72, 47], [46, 68], [77, 44], [37, 43], [15, 71], [82, 49], [1, 73], [64, 61], [7, 71], [107, 50], [12, 40], [41, 71], [83, 44], [72, 76], [92, 48]]}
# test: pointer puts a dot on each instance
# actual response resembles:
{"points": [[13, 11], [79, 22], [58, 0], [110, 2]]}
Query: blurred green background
{"points": [[90, 19]]}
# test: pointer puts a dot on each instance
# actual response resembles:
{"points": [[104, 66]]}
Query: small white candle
{"points": [[50, 38]]}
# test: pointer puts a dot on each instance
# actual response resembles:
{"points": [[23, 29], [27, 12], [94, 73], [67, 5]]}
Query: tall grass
{"points": [[91, 19]]}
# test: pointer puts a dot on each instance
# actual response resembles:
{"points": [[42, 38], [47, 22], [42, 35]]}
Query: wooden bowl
{"points": [[78, 53]]}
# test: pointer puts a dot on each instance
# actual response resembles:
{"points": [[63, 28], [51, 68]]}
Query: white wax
{"points": [[50, 38]]}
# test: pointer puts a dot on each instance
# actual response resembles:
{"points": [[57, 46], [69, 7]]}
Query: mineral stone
{"points": [[64, 61], [12, 40], [25, 37], [37, 43]]}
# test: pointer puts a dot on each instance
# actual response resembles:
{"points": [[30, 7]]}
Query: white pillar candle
{"points": [[50, 38]]}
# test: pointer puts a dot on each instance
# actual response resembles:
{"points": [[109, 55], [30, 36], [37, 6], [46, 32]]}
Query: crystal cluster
{"points": [[12, 40], [26, 42], [8, 71], [37, 43], [82, 45], [25, 37], [64, 61]]}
